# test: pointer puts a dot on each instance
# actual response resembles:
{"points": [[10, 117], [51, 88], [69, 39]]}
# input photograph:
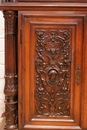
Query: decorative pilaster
{"points": [[11, 82]]}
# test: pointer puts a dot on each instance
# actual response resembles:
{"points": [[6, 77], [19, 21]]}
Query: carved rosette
{"points": [[11, 80], [53, 70]]}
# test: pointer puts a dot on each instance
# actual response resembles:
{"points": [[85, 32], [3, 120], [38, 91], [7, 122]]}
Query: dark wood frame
{"points": [[11, 57]]}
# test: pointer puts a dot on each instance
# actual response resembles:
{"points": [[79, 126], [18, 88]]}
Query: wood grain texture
{"points": [[31, 22], [45, 6]]}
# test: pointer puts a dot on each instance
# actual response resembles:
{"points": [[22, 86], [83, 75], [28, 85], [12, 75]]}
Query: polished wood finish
{"points": [[36, 25], [11, 82], [50, 60], [45, 6]]}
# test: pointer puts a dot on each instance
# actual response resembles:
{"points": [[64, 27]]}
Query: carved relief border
{"points": [[11, 81]]}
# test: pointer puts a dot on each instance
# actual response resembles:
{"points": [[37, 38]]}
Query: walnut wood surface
{"points": [[53, 72], [44, 31], [52, 65], [11, 82], [46, 6]]}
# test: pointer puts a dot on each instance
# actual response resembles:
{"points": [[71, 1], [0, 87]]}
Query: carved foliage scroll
{"points": [[10, 21], [53, 70]]}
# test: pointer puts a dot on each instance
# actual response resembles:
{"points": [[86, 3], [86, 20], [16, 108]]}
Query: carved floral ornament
{"points": [[53, 64]]}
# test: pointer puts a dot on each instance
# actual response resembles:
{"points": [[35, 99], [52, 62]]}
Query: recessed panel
{"points": [[51, 69], [53, 72]]}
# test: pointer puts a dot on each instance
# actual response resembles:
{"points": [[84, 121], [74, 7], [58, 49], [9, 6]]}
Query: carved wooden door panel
{"points": [[50, 73]]}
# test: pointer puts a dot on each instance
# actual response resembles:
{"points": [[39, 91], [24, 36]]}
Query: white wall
{"points": [[1, 64]]}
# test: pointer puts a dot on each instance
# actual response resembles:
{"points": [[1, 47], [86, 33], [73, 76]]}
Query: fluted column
{"points": [[11, 82]]}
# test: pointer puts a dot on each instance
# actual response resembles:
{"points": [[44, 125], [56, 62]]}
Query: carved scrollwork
{"points": [[53, 64], [11, 110]]}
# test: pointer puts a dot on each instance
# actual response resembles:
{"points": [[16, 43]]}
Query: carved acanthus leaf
{"points": [[11, 85], [10, 21]]}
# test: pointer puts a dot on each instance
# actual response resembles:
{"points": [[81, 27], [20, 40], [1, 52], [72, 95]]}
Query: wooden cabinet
{"points": [[52, 72], [48, 51]]}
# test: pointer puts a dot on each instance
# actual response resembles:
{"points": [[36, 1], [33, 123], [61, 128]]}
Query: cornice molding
{"points": [[44, 6]]}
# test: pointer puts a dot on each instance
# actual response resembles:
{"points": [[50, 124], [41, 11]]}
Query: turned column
{"points": [[11, 82]]}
